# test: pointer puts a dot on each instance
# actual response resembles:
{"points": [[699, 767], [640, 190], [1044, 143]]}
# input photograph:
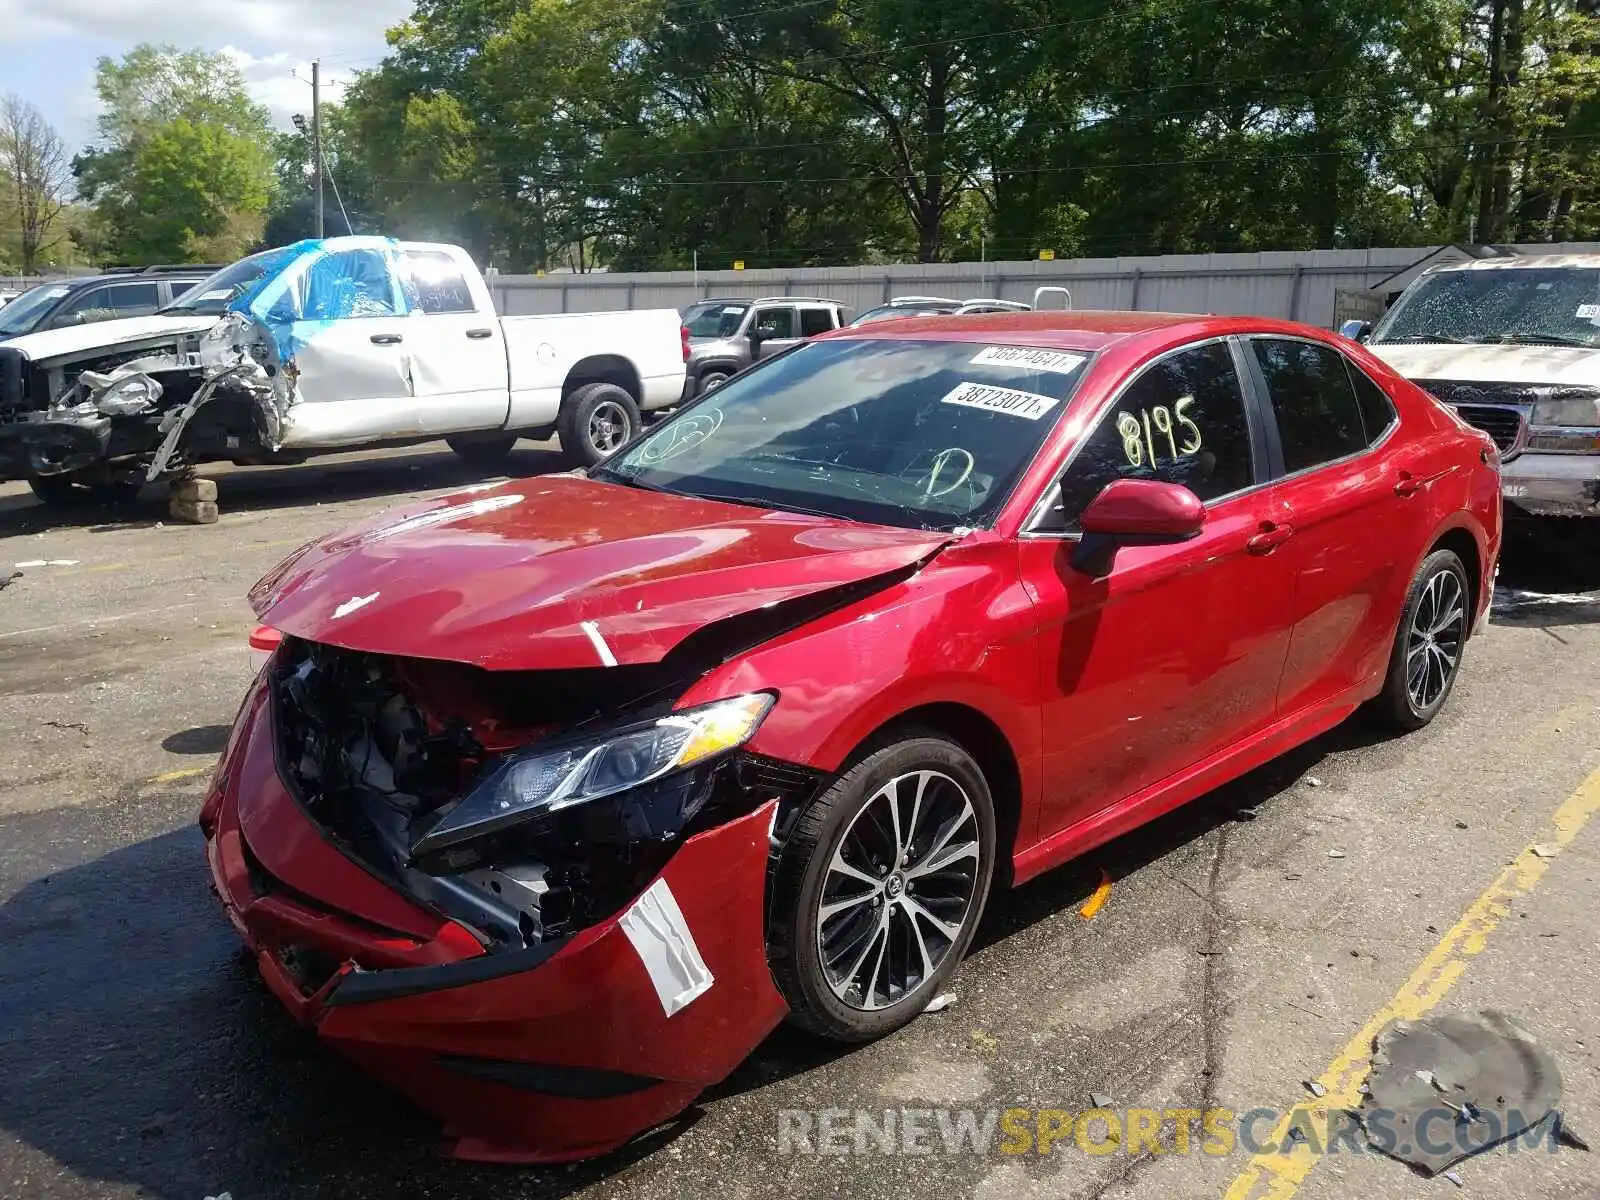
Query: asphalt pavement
{"points": [[1238, 951]]}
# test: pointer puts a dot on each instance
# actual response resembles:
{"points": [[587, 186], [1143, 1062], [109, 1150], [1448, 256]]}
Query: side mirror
{"points": [[1135, 512], [759, 335], [1356, 331]]}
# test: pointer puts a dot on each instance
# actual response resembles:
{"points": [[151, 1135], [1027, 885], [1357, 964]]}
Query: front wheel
{"points": [[63, 491], [1426, 657], [881, 888], [596, 421]]}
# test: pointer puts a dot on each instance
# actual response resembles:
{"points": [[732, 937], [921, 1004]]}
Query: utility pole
{"points": [[316, 139]]}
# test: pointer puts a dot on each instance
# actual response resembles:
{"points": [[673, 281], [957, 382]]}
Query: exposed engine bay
{"points": [[398, 761]]}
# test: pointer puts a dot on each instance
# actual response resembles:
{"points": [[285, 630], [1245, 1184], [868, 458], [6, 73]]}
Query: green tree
{"points": [[182, 168]]}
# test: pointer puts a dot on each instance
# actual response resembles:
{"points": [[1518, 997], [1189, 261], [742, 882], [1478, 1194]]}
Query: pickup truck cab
{"points": [[726, 335], [1513, 345], [323, 346]]}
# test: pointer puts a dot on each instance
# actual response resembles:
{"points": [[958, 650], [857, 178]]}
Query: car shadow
{"points": [[146, 1051], [1549, 575], [267, 489]]}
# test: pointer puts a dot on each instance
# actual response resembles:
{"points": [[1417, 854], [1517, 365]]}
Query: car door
{"points": [[457, 348], [1354, 543], [778, 327], [1176, 655], [345, 317]]}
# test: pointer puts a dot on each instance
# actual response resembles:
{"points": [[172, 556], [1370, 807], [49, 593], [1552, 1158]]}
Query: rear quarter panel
{"points": [[543, 350]]}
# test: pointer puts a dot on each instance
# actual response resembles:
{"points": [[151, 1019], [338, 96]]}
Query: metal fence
{"points": [[1298, 285]]}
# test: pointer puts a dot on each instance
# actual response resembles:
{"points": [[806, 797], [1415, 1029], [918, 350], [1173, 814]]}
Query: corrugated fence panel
{"points": [[1291, 284]]}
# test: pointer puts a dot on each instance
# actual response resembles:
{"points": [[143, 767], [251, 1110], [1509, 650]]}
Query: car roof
{"points": [[1522, 262], [1075, 329]]}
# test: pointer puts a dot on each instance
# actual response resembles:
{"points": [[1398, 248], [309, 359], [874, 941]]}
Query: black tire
{"points": [[588, 407], [1441, 585], [804, 875], [482, 452], [63, 491], [711, 380]]}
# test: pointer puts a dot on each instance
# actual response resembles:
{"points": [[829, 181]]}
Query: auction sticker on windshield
{"points": [[1001, 400], [1060, 361]]}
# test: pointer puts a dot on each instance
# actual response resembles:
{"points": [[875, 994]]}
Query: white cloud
{"points": [[271, 40]]}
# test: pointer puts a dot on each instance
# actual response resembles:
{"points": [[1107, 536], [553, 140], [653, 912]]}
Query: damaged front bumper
{"points": [[53, 443], [1546, 484], [551, 1052]]}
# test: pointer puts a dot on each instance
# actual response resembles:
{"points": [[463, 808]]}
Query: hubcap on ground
{"points": [[1433, 643], [898, 890], [608, 426]]}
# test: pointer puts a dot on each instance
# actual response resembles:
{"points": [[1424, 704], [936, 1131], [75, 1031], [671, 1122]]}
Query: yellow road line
{"points": [[1278, 1176], [1092, 906]]}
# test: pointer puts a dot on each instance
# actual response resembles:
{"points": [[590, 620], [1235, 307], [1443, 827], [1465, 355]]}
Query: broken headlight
{"points": [[553, 777]]}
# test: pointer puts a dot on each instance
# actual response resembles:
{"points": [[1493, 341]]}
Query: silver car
{"points": [[727, 334]]}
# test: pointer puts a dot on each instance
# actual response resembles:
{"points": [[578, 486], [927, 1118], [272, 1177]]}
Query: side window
{"points": [[814, 321], [776, 322], [135, 299], [1377, 410], [1319, 419], [105, 303], [438, 282], [351, 283], [1181, 421]]}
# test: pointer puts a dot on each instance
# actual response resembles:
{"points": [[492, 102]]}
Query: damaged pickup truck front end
{"points": [[526, 884], [119, 404]]}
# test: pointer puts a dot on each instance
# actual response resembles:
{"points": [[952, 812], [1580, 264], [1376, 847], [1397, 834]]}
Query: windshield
{"points": [[716, 320], [28, 309], [1539, 305], [212, 296], [922, 434]]}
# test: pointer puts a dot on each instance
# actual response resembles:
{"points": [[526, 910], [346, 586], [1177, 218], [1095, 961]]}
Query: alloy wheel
{"points": [[898, 890], [1433, 643], [608, 426]]}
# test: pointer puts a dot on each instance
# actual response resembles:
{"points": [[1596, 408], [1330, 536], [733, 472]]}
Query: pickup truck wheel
{"points": [[482, 452], [596, 421]]}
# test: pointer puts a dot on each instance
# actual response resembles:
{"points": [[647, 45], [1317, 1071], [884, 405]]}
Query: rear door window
{"points": [[814, 321], [440, 287], [1318, 415], [776, 322]]}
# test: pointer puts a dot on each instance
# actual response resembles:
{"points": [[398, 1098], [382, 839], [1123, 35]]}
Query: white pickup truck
{"points": [[319, 347]]}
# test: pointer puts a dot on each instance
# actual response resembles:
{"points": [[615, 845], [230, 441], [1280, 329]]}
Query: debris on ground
{"points": [[1245, 814], [1313, 781], [1568, 1136], [940, 1003], [1486, 1069], [1335, 853], [1102, 893], [1100, 1100], [1454, 1178], [68, 726], [1546, 851], [7, 580], [1316, 1089], [47, 562]]}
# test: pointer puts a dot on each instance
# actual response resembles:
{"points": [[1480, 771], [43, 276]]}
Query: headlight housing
{"points": [[1573, 412], [552, 777]]}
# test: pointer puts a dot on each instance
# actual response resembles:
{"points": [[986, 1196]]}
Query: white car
{"points": [[325, 346], [1513, 344]]}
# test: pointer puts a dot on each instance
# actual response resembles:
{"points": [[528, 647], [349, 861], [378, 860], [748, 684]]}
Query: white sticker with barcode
{"points": [[1062, 362], [1009, 401], [1588, 312]]}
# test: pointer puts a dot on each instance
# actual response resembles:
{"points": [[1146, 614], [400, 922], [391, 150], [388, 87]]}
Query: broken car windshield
{"points": [[1558, 306], [924, 434], [212, 296]]}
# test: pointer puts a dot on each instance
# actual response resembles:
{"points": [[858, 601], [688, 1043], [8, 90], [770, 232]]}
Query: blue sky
{"points": [[48, 48]]}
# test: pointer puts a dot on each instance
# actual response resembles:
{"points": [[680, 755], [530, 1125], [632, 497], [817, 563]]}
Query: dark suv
{"points": [[134, 292]]}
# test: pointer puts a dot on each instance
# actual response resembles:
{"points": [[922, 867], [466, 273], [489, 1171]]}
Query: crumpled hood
{"points": [[105, 335], [1492, 364], [564, 572]]}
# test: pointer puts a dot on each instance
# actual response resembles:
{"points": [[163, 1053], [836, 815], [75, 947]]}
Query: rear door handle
{"points": [[1270, 538], [387, 339], [479, 335]]}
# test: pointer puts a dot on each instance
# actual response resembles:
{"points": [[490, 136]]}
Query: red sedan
{"points": [[558, 795]]}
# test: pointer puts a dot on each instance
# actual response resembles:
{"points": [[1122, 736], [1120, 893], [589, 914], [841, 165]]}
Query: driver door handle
{"points": [[1272, 536], [479, 335], [386, 339]]}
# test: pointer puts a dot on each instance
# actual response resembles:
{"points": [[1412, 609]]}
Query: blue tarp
{"points": [[314, 283]]}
